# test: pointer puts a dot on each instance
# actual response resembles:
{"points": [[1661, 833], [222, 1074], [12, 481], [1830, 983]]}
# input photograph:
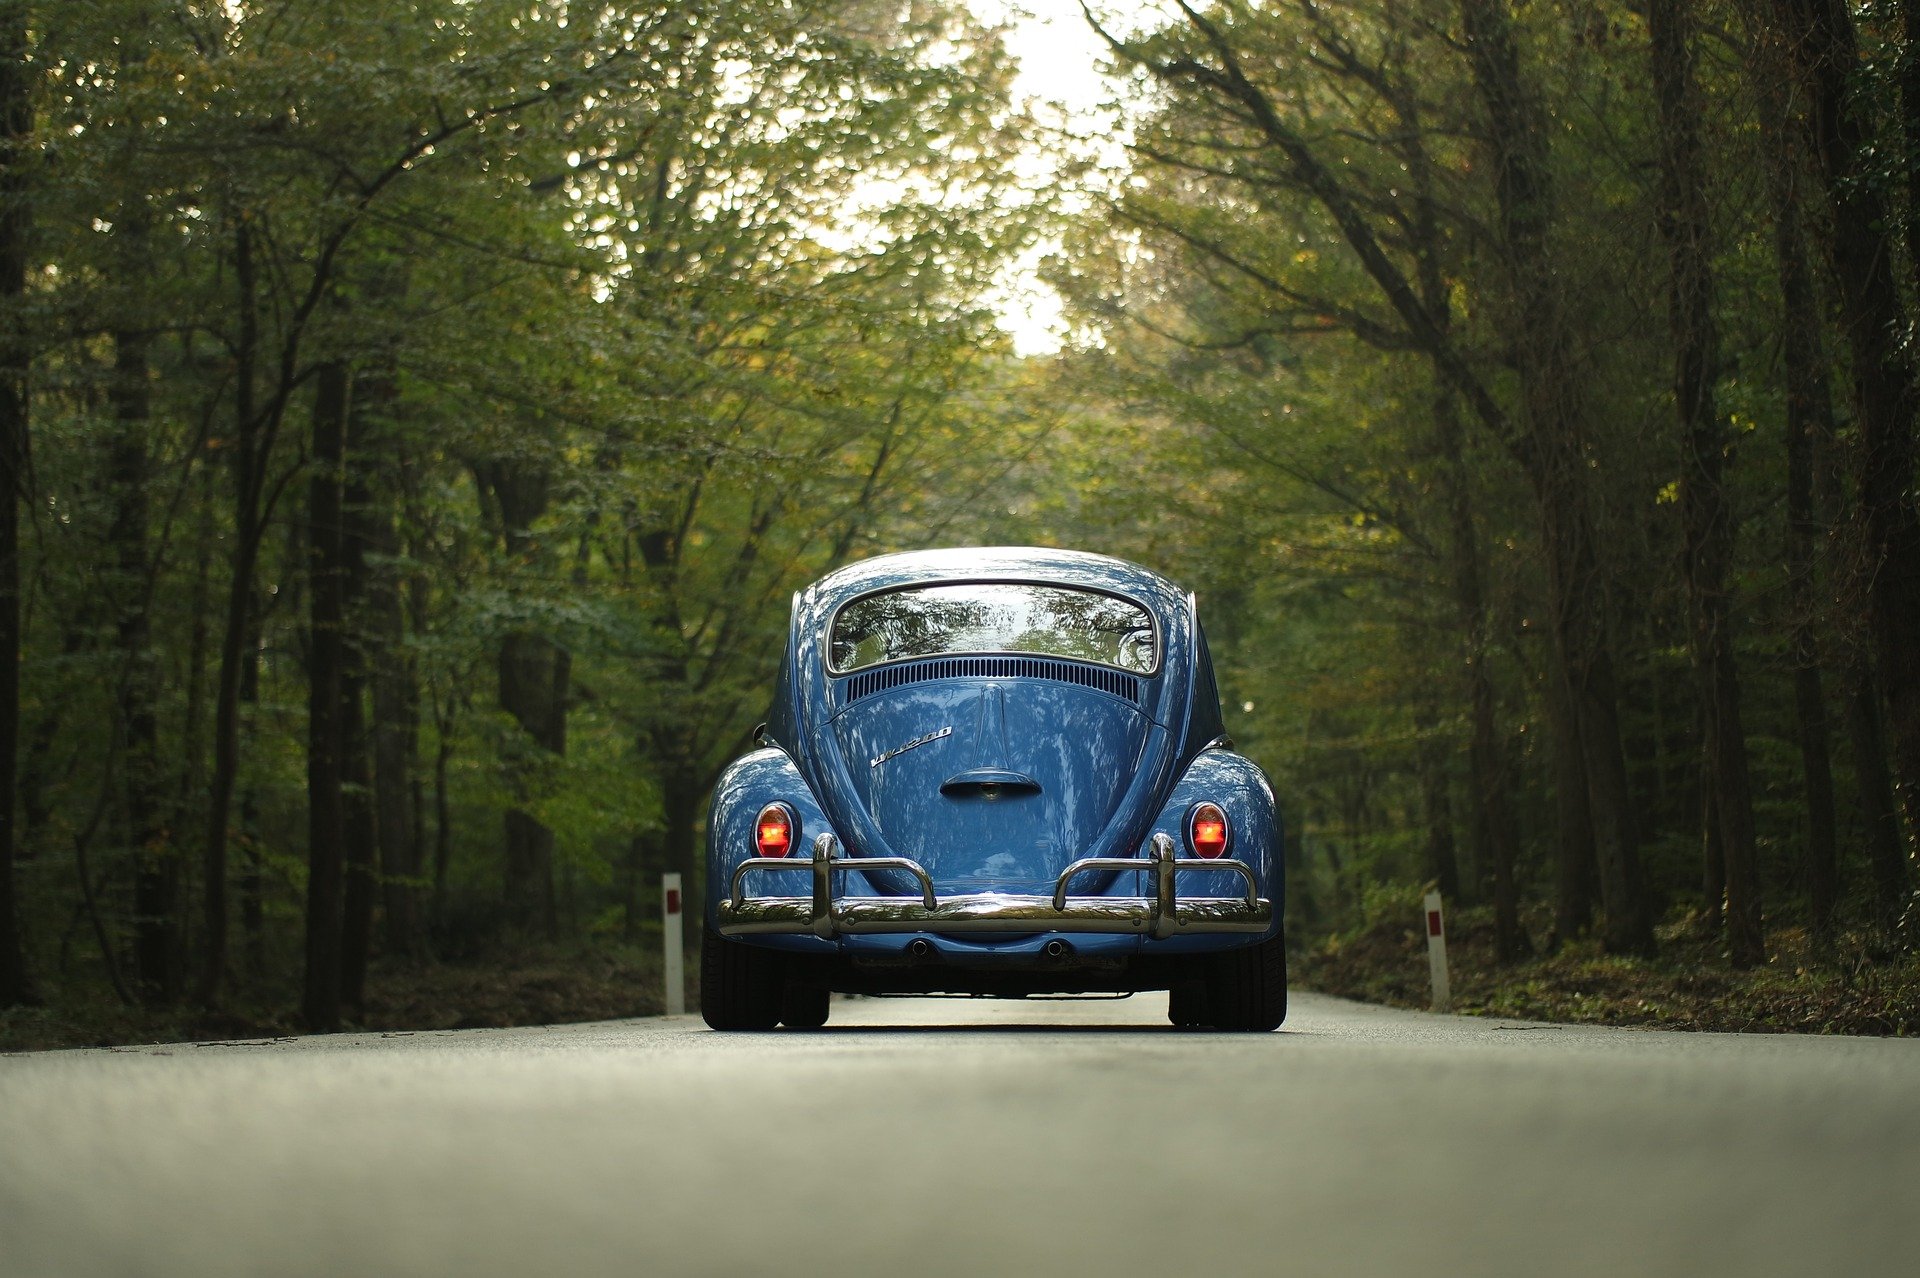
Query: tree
{"points": [[377, 345], [16, 125], [1705, 442], [1861, 245], [1263, 146]]}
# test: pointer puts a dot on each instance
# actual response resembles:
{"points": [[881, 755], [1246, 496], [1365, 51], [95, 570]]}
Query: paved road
{"points": [[970, 1137]]}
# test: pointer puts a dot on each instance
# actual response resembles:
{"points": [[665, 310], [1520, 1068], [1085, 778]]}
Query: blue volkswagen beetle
{"points": [[996, 772]]}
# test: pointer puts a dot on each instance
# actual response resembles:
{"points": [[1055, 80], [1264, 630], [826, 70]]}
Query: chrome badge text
{"points": [[917, 742]]}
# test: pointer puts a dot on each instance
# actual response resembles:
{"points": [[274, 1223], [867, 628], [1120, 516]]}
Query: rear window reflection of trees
{"points": [[974, 617]]}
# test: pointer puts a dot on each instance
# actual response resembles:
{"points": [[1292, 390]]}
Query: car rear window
{"points": [[1050, 621]]}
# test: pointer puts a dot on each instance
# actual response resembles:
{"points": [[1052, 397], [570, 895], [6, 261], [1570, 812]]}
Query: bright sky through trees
{"points": [[1060, 60]]}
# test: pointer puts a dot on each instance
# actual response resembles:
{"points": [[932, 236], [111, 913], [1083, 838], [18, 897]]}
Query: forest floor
{"points": [[1855, 987], [514, 986]]}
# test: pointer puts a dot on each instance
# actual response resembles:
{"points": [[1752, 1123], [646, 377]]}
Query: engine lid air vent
{"points": [[1115, 682]]}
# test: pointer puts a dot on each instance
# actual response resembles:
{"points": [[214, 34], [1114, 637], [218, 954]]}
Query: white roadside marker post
{"points": [[670, 931], [1437, 953]]}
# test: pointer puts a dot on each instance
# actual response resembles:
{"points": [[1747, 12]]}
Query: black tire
{"points": [[1187, 1004], [1247, 987], [804, 1006], [740, 985]]}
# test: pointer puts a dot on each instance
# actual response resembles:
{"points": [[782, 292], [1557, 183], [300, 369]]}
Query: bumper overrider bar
{"points": [[1161, 915]]}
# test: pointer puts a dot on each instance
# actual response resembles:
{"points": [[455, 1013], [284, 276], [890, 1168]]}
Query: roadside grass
{"points": [[516, 985], [1857, 986]]}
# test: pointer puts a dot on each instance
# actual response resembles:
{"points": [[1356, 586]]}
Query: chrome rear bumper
{"points": [[1161, 915]]}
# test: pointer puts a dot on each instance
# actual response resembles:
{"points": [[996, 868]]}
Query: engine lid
{"points": [[990, 784]]}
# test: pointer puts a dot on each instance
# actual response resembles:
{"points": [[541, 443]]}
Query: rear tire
{"points": [[1187, 1004], [1247, 987], [804, 1006], [740, 985]]}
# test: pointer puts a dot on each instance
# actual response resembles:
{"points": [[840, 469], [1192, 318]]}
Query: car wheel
{"points": [[1247, 987], [804, 1006], [1187, 1004], [740, 985]]}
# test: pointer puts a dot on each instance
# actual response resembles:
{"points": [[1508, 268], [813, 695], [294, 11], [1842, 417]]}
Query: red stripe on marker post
{"points": [[672, 936], [1433, 923]]}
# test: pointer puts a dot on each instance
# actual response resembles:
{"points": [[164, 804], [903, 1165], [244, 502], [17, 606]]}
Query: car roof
{"points": [[995, 563]]}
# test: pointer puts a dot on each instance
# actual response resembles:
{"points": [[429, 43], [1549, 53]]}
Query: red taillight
{"points": [[1207, 830], [773, 832]]}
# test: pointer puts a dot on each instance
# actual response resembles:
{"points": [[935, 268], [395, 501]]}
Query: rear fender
{"points": [[748, 785], [1236, 783]]}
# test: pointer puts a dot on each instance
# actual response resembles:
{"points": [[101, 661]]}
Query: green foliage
{"points": [[647, 316], [1253, 414]]}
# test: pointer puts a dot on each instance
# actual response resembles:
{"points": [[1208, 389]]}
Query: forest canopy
{"points": [[414, 419]]}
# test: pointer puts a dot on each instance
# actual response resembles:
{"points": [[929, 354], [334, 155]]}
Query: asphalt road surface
{"points": [[970, 1137]]}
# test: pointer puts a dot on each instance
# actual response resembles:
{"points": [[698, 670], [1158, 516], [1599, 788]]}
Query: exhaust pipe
{"points": [[919, 947], [1056, 948]]}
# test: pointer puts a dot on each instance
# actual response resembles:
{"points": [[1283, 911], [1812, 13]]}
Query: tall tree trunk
{"points": [[39, 761], [396, 746], [326, 696], [1860, 686], [381, 482], [359, 833], [359, 852], [16, 213], [530, 676], [1494, 816], [253, 876], [1602, 836], [1809, 427], [677, 767], [1573, 845], [533, 678], [1886, 854], [1821, 856], [156, 949], [1491, 791], [442, 809], [1629, 923], [1555, 458], [190, 781], [1910, 123], [395, 681], [156, 945], [444, 710], [1706, 515], [1862, 244], [236, 648]]}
